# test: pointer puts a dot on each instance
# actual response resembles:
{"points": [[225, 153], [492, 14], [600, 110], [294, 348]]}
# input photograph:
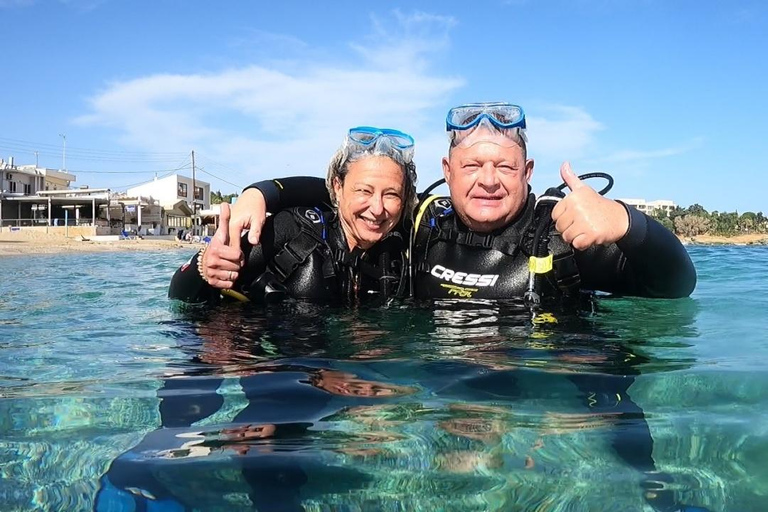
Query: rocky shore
{"points": [[751, 239]]}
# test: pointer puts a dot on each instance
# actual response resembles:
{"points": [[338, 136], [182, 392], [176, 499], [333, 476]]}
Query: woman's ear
{"points": [[338, 188]]}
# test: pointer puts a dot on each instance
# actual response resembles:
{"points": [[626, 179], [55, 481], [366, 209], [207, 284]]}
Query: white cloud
{"points": [[273, 119], [559, 132], [633, 156], [287, 117]]}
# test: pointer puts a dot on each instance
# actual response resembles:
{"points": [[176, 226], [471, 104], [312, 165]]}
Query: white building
{"points": [[20, 189], [171, 189], [175, 195], [649, 207], [27, 180]]}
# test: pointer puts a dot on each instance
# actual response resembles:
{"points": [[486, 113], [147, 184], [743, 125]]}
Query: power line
{"points": [[174, 154], [152, 171], [202, 169], [50, 150], [139, 183]]}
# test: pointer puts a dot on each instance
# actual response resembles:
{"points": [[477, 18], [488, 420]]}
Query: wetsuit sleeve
{"points": [[292, 192], [187, 284], [650, 261]]}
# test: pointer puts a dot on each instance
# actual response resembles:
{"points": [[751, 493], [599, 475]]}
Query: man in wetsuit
{"points": [[491, 241], [479, 244]]}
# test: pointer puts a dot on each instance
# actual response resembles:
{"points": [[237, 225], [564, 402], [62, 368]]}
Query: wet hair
{"points": [[349, 153]]}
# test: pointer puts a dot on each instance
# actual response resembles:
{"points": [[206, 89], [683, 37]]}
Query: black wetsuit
{"points": [[448, 260], [451, 261], [303, 253]]}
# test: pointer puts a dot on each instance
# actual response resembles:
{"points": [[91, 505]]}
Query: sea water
{"points": [[114, 398]]}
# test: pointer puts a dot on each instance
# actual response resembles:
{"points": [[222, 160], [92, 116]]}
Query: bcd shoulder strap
{"points": [[312, 237]]}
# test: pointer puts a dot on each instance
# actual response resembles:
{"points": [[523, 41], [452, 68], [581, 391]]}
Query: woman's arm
{"points": [[251, 208]]}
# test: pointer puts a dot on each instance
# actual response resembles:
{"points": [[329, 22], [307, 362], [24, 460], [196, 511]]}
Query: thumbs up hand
{"points": [[223, 258], [585, 218]]}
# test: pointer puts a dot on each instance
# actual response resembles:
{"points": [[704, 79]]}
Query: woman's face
{"points": [[370, 199]]}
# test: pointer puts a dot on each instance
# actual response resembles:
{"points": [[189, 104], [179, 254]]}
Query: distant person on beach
{"points": [[350, 251], [494, 239]]}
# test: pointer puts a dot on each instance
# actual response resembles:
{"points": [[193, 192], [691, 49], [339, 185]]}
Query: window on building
{"points": [[182, 190], [27, 189], [12, 186], [199, 193]]}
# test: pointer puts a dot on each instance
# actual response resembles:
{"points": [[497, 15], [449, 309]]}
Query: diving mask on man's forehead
{"points": [[498, 123], [383, 141]]}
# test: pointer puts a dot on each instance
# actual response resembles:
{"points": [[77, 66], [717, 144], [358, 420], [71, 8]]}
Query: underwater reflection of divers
{"points": [[601, 357], [266, 456], [257, 446], [270, 448]]}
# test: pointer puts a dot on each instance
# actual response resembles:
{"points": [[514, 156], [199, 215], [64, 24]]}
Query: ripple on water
{"points": [[433, 406]]}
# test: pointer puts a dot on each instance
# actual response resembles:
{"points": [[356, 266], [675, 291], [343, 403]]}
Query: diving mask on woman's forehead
{"points": [[499, 123], [384, 140]]}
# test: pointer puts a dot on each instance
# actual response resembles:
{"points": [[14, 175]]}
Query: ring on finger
{"points": [[231, 275]]}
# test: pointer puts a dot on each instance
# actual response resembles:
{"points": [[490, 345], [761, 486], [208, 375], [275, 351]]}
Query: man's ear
{"points": [[528, 169], [447, 169]]}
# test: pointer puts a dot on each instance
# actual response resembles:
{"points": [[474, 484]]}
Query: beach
{"points": [[26, 243]]}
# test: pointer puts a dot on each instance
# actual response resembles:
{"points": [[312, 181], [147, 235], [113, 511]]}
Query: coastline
{"points": [[18, 244], [15, 244], [751, 239]]}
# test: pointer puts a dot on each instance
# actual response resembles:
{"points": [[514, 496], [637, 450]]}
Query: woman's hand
{"points": [[223, 259], [249, 212]]}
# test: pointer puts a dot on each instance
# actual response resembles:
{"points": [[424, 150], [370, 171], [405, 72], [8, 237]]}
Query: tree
{"points": [[691, 225], [218, 198]]}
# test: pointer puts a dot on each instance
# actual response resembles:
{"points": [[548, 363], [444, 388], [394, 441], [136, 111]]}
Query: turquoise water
{"points": [[114, 398]]}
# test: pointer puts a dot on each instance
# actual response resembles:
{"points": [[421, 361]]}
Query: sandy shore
{"points": [[15, 244]]}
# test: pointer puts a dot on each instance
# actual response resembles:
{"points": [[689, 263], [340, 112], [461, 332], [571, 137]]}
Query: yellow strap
{"points": [[235, 295], [420, 213], [540, 265]]}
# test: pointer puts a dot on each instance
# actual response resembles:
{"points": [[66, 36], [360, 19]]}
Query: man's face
{"points": [[488, 183]]}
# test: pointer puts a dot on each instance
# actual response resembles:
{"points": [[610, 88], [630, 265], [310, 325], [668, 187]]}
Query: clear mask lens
{"points": [[381, 141], [367, 135], [485, 131], [502, 115]]}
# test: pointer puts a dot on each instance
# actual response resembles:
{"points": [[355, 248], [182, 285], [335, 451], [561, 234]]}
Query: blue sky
{"points": [[669, 96]]}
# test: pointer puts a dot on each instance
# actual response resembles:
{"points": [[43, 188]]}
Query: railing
{"points": [[54, 222]]}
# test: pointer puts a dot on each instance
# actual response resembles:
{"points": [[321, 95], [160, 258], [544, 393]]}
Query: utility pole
{"points": [[194, 203], [36, 166], [64, 153]]}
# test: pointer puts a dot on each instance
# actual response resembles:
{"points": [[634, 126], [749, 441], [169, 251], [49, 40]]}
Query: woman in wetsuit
{"points": [[349, 251]]}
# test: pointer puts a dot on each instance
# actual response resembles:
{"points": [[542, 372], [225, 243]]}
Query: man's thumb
{"points": [[569, 177], [222, 234]]}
